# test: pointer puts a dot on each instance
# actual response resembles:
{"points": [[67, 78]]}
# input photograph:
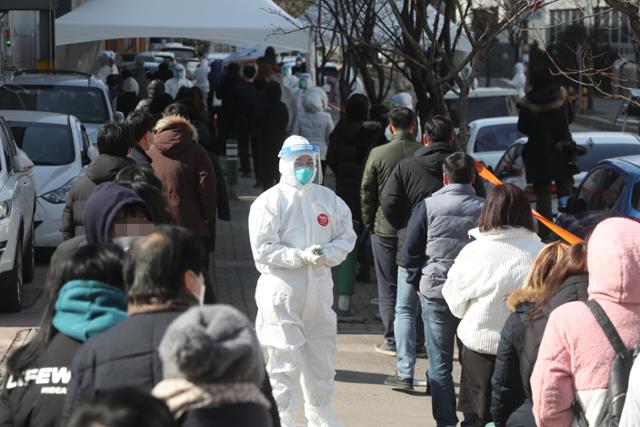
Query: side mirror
{"points": [[22, 163], [119, 116]]}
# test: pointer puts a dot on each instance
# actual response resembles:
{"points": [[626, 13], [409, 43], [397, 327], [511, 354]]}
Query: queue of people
{"points": [[132, 334]]}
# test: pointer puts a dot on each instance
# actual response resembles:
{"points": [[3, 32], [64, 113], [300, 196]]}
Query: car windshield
{"points": [[181, 54], [46, 145], [496, 137], [86, 103], [146, 58], [480, 108]]}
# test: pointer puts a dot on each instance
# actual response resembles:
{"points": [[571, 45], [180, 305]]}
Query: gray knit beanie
{"points": [[212, 344]]}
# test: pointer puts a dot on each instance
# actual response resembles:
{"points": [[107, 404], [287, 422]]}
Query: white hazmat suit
{"points": [[519, 80], [173, 85], [201, 77], [295, 323]]}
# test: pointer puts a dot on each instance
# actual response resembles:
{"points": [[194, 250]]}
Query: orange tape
{"points": [[564, 234]]}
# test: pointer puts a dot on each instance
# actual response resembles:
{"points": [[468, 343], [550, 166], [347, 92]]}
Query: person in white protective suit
{"points": [[173, 85], [298, 231], [519, 80], [201, 77]]}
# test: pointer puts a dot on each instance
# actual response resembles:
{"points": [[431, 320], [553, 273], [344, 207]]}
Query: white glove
{"points": [[313, 256]]}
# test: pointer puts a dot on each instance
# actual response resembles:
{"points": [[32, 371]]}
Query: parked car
{"points": [[182, 53], [58, 147], [490, 138], [17, 203], [65, 92], [611, 188], [598, 146], [484, 102]]}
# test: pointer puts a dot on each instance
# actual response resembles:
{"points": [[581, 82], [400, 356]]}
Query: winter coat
{"points": [[313, 123], [103, 168], [545, 115], [573, 288], [379, 167], [139, 156], [83, 309], [349, 145], [126, 102], [125, 355], [631, 411], [39, 404], [222, 405], [438, 230], [184, 167], [485, 272], [247, 99], [270, 127], [512, 370], [574, 360]]}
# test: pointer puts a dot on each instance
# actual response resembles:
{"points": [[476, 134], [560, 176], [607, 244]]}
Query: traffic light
{"points": [[7, 38]]}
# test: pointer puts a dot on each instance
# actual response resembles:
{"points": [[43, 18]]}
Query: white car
{"points": [[17, 203], [490, 138], [64, 92], [57, 145], [483, 103], [598, 146]]}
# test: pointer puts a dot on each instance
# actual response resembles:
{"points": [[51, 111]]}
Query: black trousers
{"points": [[564, 185], [384, 258], [244, 142], [475, 385]]}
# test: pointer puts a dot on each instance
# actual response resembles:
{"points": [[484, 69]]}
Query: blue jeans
{"points": [[384, 259], [440, 330], [404, 326]]}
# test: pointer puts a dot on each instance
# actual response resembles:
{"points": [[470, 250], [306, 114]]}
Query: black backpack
{"points": [[618, 377]]}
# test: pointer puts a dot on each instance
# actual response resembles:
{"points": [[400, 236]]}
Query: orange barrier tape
{"points": [[564, 234]]}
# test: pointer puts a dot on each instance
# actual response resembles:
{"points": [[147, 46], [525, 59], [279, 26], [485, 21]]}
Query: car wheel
{"points": [[12, 301], [29, 260]]}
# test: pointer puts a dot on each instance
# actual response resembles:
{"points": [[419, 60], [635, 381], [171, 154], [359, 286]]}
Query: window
{"points": [[560, 19], [46, 145], [86, 103], [480, 108], [599, 151], [496, 138], [613, 185], [590, 191]]}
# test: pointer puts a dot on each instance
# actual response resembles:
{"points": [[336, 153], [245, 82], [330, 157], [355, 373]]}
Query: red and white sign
{"points": [[323, 220]]}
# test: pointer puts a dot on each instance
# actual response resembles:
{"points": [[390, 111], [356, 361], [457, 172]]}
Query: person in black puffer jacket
{"points": [[87, 299], [114, 143], [547, 287], [349, 144]]}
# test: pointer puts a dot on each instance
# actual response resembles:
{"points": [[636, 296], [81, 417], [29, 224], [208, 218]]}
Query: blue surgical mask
{"points": [[303, 175], [179, 74], [388, 134]]}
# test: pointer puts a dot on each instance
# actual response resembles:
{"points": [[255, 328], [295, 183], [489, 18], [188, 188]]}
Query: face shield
{"points": [[302, 173]]}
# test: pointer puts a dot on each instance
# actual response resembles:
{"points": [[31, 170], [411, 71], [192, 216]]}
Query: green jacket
{"points": [[381, 162]]}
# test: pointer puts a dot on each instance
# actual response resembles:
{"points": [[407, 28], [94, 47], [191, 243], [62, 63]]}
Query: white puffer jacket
{"points": [[313, 123], [482, 276]]}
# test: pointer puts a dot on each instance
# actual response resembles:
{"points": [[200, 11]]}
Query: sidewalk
{"points": [[361, 398], [603, 116]]}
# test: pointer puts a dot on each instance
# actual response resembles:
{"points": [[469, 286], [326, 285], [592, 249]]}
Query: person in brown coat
{"points": [[189, 180]]}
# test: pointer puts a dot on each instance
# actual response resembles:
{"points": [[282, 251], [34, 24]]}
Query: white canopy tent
{"points": [[234, 22]]}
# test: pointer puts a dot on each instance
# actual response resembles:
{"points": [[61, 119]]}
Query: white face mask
{"points": [[203, 288], [388, 134]]}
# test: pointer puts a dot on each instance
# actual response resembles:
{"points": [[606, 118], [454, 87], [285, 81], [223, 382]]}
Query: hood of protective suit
{"points": [[518, 68], [293, 143], [402, 99], [613, 261], [313, 102]]}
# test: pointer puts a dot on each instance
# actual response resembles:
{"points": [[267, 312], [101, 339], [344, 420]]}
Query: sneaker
{"points": [[398, 383], [421, 352], [386, 348]]}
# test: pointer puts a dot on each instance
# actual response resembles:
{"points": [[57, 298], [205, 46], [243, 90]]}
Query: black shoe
{"points": [[398, 383], [386, 348], [421, 352]]}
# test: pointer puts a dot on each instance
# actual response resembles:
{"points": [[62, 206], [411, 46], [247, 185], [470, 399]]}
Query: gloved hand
{"points": [[313, 256]]}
